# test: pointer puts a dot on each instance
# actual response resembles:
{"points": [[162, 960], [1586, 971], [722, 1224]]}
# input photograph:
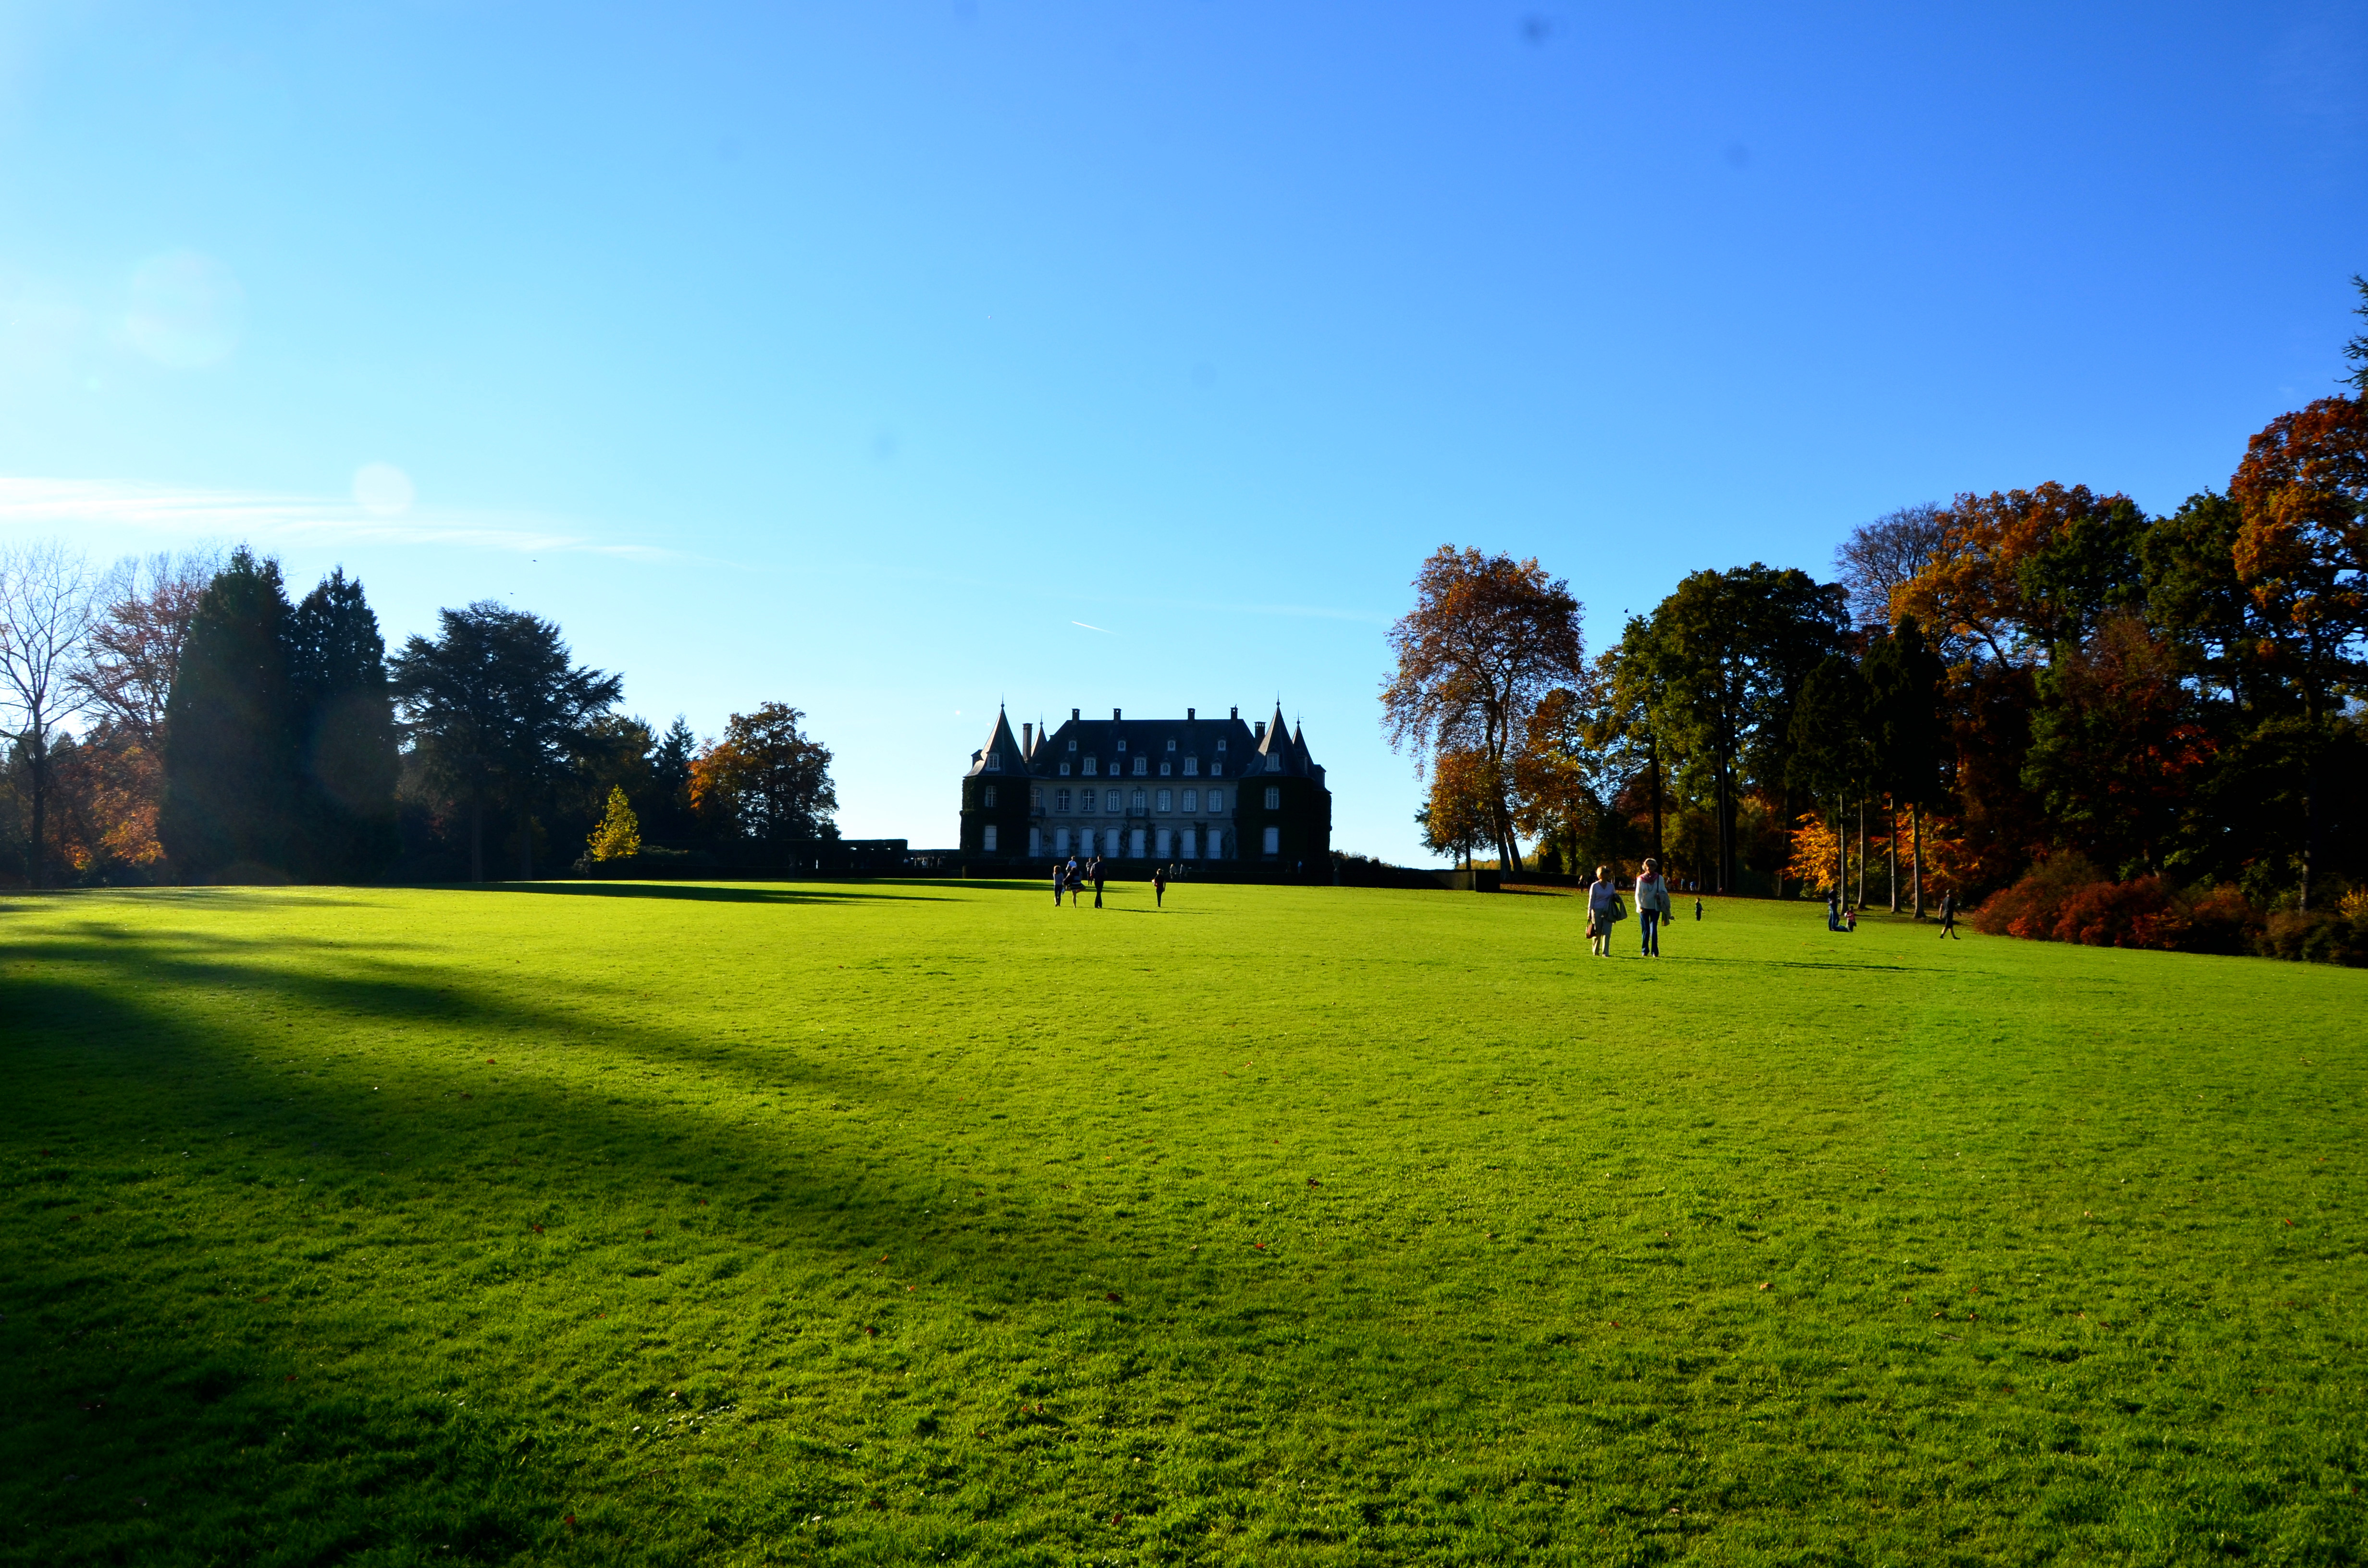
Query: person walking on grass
{"points": [[1652, 909], [1697, 912], [1060, 880], [1073, 875], [1603, 906], [1159, 887], [1097, 881], [1833, 912], [1949, 916]]}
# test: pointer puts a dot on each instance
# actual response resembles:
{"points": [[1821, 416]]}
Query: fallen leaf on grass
{"points": [[1112, 1295], [1763, 1284]]}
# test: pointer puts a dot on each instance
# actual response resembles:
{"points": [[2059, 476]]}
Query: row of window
{"points": [[1089, 801], [1089, 767], [1115, 804], [1163, 843]]}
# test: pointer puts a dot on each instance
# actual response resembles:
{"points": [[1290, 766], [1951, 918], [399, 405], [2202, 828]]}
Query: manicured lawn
{"points": [[917, 1223]]}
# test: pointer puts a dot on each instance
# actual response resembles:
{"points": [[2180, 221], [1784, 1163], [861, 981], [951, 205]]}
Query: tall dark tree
{"points": [[231, 730], [348, 754], [2301, 553], [1833, 755], [668, 817], [2118, 746], [1730, 652], [499, 712], [1905, 730]]}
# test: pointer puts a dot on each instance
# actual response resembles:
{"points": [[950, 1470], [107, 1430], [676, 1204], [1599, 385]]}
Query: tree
{"points": [[764, 780], [2357, 349], [1460, 811], [2301, 553], [230, 731], [1487, 638], [1727, 654], [499, 711], [348, 754], [2117, 746], [1832, 757], [2017, 573], [1558, 773], [619, 837], [1903, 695], [1881, 557], [668, 812], [49, 602], [135, 648]]}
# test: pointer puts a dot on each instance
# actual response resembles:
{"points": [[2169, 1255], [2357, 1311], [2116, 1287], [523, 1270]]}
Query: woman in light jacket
{"points": [[1652, 908], [1602, 909]]}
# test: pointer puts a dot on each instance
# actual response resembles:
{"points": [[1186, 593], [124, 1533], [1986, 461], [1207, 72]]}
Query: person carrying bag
{"points": [[1603, 909], [1652, 908]]}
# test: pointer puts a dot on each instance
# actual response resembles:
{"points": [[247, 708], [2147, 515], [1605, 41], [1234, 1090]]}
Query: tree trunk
{"points": [[526, 845], [36, 864], [1653, 765], [476, 840], [1861, 851], [1892, 854], [1841, 854], [1915, 852]]}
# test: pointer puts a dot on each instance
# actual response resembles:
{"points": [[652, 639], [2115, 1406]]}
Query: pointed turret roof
{"points": [[1002, 745]]}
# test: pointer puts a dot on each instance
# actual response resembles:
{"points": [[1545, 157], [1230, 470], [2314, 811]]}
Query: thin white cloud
{"points": [[27, 503], [1103, 630]]}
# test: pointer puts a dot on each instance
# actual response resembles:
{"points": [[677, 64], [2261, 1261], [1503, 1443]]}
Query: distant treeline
{"points": [[228, 734], [2043, 684]]}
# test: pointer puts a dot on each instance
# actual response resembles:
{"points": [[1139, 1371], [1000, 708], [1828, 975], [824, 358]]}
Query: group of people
{"points": [[1605, 910], [1071, 878], [1843, 918]]}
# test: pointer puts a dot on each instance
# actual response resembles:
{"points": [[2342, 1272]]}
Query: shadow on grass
{"points": [[114, 1033], [701, 893]]}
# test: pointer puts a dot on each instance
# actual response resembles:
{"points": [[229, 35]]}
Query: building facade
{"points": [[1155, 790]]}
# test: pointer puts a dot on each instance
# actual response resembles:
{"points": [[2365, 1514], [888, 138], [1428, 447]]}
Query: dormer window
{"points": [[1089, 767], [1171, 743], [1217, 771], [1138, 766], [1072, 745], [995, 762], [1166, 769], [1065, 771], [1121, 743], [1192, 767], [1221, 745]]}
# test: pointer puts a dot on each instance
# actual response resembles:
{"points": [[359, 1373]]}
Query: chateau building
{"points": [[1188, 789]]}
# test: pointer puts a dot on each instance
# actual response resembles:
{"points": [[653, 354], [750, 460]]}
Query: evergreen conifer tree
{"points": [[348, 755], [231, 731]]}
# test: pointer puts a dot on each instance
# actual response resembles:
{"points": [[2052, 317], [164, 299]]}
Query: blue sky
{"points": [[894, 360]]}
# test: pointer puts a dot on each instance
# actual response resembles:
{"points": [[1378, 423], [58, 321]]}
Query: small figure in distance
{"points": [[1833, 911], [1602, 898], [1849, 920], [1060, 880], [1097, 881], [1949, 916], [1652, 909], [1075, 880], [1159, 886], [1697, 910]]}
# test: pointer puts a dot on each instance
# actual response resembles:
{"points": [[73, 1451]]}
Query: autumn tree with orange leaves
{"points": [[1488, 637]]}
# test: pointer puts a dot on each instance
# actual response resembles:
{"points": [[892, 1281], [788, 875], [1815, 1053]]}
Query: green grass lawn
{"points": [[917, 1223]]}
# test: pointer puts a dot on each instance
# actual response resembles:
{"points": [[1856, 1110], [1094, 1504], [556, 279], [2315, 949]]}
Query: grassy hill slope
{"points": [[898, 1223]]}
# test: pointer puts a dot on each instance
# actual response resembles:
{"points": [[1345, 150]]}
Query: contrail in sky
{"points": [[1103, 630]]}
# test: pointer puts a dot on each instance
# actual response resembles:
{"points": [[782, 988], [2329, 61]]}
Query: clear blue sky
{"points": [[853, 355]]}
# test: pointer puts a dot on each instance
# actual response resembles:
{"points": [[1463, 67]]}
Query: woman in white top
{"points": [[1603, 900], [1652, 907]]}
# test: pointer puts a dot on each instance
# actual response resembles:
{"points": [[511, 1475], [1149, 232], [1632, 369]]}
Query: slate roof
{"points": [[1247, 752]]}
